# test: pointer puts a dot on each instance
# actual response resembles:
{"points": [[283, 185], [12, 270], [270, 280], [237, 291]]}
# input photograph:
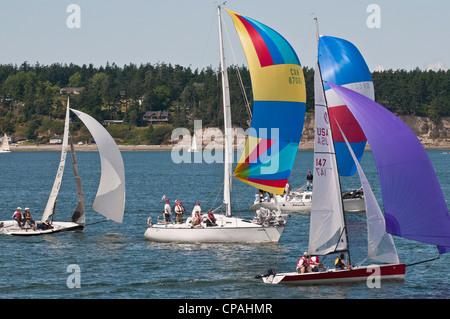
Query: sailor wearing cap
{"points": [[179, 210], [197, 211], [196, 215], [28, 219], [17, 215]]}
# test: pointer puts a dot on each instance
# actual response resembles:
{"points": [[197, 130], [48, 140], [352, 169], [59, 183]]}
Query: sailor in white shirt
{"points": [[196, 215], [196, 209], [167, 212]]}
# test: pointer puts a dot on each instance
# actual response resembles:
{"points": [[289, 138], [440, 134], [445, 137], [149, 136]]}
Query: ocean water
{"points": [[116, 261]]}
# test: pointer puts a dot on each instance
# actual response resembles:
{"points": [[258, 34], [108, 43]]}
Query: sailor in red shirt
{"points": [[314, 262], [303, 264]]}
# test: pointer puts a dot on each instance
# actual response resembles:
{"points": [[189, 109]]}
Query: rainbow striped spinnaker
{"points": [[279, 101]]}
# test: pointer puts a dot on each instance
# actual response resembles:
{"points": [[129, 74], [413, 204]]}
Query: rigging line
{"points": [[217, 196], [241, 83], [424, 261], [101, 221], [307, 39], [213, 17], [214, 191]]}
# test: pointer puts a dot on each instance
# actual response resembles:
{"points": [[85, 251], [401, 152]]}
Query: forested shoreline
{"points": [[33, 96]]}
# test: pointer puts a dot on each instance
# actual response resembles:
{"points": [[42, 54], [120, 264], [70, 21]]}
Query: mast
{"points": [[227, 122], [331, 133]]}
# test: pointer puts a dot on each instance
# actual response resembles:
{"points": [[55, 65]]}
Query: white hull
{"points": [[10, 227], [351, 205], [228, 230], [5, 152]]}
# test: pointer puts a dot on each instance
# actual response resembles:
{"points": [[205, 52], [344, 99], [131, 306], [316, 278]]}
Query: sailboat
{"points": [[406, 175], [193, 147], [110, 198], [279, 106], [4, 148]]}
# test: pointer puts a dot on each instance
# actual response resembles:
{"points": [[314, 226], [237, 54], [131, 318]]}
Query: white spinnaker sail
{"points": [[327, 228], [381, 246], [110, 198], [59, 175]]}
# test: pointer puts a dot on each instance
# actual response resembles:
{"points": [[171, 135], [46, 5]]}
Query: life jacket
{"points": [[302, 261], [338, 263], [27, 215], [17, 214], [178, 209]]}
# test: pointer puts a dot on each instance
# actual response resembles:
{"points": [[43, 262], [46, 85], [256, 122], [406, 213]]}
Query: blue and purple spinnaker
{"points": [[414, 204]]}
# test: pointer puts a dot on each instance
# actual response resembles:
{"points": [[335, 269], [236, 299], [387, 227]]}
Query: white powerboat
{"points": [[299, 201]]}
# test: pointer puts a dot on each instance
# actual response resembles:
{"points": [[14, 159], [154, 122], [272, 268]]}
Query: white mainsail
{"points": [[4, 148], [327, 227], [110, 198], [59, 175], [193, 147]]}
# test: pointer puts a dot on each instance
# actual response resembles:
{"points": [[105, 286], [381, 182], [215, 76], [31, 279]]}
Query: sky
{"points": [[393, 34]]}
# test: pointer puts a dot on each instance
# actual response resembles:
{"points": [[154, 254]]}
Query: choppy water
{"points": [[116, 261]]}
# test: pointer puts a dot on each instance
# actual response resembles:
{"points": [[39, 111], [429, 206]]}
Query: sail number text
{"points": [[295, 77], [320, 166], [322, 136]]}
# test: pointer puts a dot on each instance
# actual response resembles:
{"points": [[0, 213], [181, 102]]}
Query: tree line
{"points": [[31, 97]]}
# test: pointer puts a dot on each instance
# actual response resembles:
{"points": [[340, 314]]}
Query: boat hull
{"points": [[12, 229], [228, 230], [332, 276], [353, 205]]}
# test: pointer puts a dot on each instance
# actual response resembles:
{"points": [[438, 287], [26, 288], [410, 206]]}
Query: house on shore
{"points": [[156, 117], [56, 140]]}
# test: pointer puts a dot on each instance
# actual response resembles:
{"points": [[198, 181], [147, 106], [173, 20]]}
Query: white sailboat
{"points": [[110, 198], [268, 225], [193, 147], [4, 148]]}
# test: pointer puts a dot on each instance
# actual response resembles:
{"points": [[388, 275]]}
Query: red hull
{"points": [[395, 271]]}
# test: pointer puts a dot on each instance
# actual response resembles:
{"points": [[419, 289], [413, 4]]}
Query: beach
{"points": [[306, 145]]}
